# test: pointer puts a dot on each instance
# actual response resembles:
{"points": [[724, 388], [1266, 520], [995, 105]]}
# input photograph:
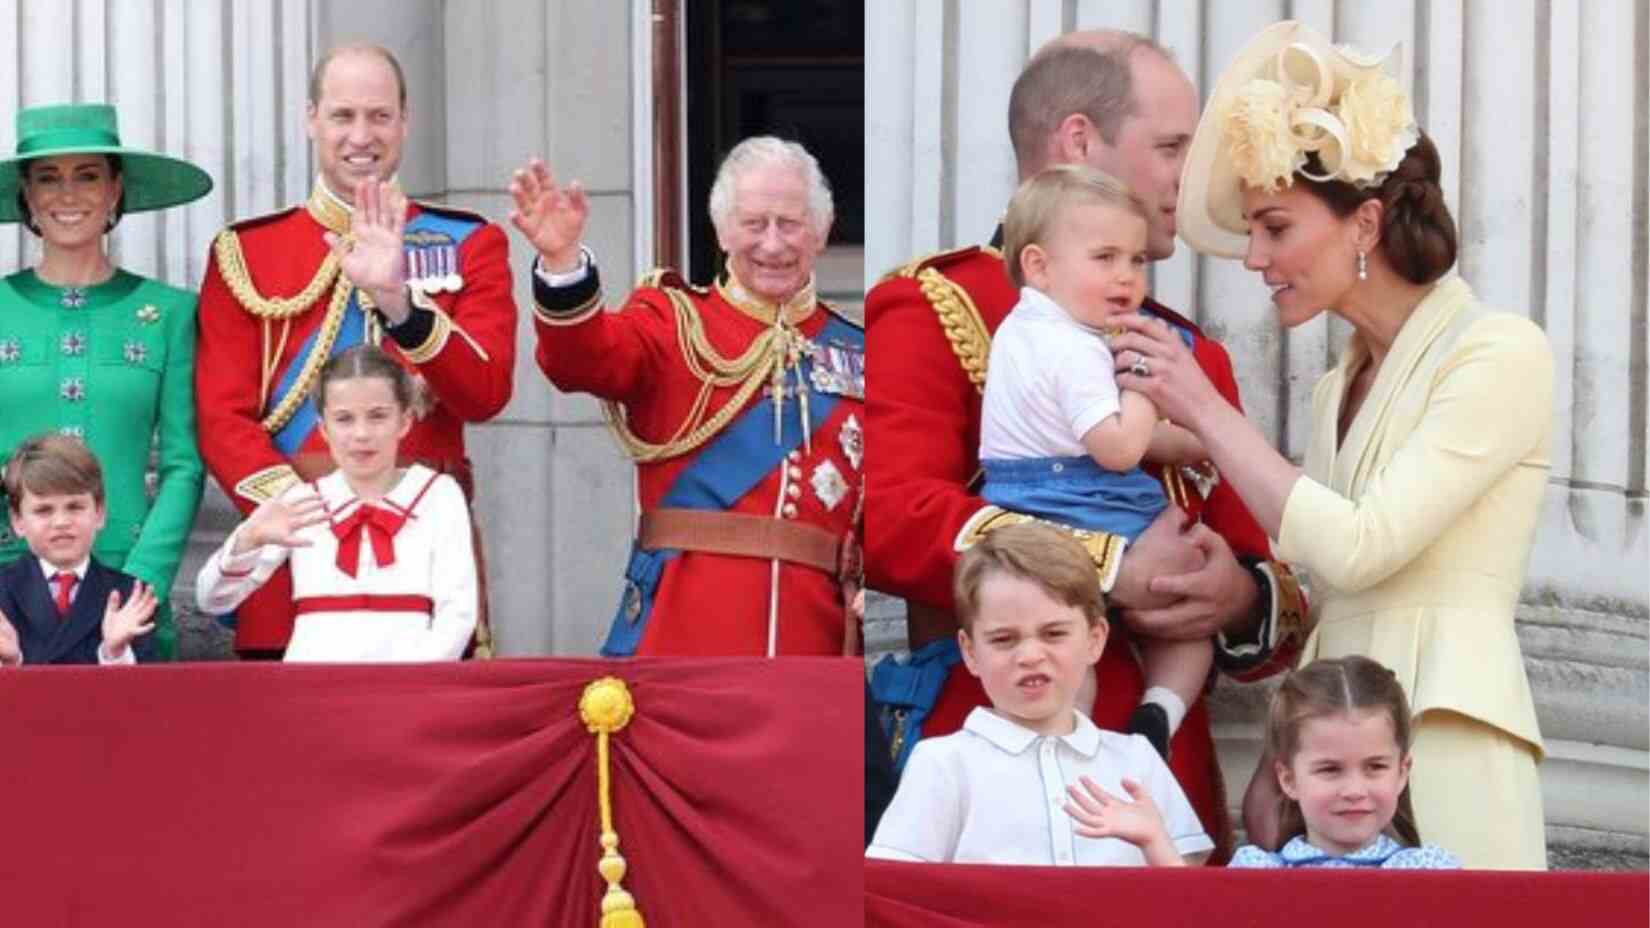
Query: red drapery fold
{"points": [[451, 794], [973, 896]]}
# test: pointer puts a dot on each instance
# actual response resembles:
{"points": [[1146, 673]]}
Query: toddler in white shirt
{"points": [[1058, 439], [1032, 780]]}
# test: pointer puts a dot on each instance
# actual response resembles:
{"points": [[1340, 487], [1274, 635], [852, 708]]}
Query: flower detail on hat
{"points": [[1264, 151], [1356, 119], [1379, 124]]}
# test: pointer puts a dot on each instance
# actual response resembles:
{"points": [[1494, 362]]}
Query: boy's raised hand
{"points": [[279, 520], [1136, 820], [124, 621], [11, 652]]}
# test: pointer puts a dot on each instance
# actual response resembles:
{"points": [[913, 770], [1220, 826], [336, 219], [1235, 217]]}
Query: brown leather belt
{"points": [[742, 535]]}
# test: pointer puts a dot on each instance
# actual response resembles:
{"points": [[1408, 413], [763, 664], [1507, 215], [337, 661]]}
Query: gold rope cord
{"points": [[606, 707], [318, 354], [964, 328], [764, 361], [232, 265]]}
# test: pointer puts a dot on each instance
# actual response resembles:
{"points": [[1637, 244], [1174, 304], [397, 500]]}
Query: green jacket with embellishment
{"points": [[113, 364]]}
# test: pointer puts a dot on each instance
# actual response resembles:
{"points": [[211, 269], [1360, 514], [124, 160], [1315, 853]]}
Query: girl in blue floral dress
{"points": [[1339, 732]]}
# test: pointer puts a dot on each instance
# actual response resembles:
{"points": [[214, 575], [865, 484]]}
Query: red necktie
{"points": [[379, 525], [65, 584]]}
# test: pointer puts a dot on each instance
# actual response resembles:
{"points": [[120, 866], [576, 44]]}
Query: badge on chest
{"points": [[838, 368], [432, 262]]}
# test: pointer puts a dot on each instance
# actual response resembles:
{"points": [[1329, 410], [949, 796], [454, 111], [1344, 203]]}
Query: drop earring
{"points": [[1363, 266]]}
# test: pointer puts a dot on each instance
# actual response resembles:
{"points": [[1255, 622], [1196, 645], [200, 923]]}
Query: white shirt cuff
{"points": [[103, 658], [566, 278]]}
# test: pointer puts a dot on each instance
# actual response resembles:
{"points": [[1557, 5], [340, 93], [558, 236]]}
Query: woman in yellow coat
{"points": [[1416, 508]]}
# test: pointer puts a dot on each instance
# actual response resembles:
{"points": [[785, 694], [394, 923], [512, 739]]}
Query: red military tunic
{"points": [[462, 343], [648, 360], [928, 330]]}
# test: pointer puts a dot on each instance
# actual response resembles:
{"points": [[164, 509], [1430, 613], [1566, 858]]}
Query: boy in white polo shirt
{"points": [[1032, 780]]}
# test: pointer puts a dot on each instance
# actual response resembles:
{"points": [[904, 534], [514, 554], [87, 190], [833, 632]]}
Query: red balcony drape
{"points": [[460, 794]]}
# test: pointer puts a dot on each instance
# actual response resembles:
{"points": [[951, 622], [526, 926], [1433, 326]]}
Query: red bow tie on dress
{"points": [[379, 525]]}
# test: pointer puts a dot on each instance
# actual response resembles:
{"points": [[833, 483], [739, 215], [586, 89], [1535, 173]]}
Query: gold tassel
{"points": [[606, 707]]}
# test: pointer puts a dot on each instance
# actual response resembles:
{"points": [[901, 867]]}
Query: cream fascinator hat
{"points": [[1291, 93]]}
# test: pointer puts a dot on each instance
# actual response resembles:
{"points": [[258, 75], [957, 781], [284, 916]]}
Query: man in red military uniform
{"points": [[1203, 569], [741, 403], [355, 263]]}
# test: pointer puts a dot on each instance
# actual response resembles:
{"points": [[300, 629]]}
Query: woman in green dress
{"points": [[91, 350]]}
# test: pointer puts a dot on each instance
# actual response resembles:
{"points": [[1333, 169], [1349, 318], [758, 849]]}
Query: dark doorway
{"points": [[791, 68]]}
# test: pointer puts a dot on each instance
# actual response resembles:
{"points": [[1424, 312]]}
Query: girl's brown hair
{"points": [[1417, 230], [1327, 688], [369, 361]]}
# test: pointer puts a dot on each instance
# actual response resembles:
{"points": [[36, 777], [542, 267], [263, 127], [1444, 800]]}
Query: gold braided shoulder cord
{"points": [[961, 321], [750, 370], [318, 354], [232, 265]]}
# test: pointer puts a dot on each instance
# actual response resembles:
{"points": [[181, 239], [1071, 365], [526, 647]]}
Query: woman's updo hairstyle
{"points": [[1417, 230]]}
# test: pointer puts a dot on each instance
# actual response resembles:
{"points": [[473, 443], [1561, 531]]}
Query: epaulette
{"points": [[267, 218], [664, 278], [452, 212], [959, 318], [937, 259], [1170, 316]]}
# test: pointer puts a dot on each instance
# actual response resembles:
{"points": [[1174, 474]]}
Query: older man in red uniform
{"points": [[741, 403], [355, 263], [1201, 570]]}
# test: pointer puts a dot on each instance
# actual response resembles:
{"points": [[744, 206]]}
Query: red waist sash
{"points": [[364, 602]]}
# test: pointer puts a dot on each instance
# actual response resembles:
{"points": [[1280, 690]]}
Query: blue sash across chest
{"points": [[425, 227], [738, 459]]}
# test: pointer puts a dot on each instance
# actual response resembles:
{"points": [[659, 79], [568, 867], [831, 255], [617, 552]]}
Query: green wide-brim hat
{"points": [[150, 181]]}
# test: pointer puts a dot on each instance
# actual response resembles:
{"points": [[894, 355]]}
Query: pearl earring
{"points": [[1363, 266]]}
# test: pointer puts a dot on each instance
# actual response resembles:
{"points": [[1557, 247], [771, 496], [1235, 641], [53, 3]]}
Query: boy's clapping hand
{"points": [[124, 621]]}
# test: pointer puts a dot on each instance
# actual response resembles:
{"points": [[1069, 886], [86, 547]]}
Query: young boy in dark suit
{"points": [[58, 605]]}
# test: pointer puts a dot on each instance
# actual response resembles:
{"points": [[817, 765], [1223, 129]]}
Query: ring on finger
{"points": [[1140, 368]]}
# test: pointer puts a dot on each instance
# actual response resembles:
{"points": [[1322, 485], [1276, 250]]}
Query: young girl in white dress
{"points": [[382, 563]]}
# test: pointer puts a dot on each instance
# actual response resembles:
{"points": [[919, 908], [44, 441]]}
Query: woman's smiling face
{"points": [[1301, 249], [71, 198]]}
